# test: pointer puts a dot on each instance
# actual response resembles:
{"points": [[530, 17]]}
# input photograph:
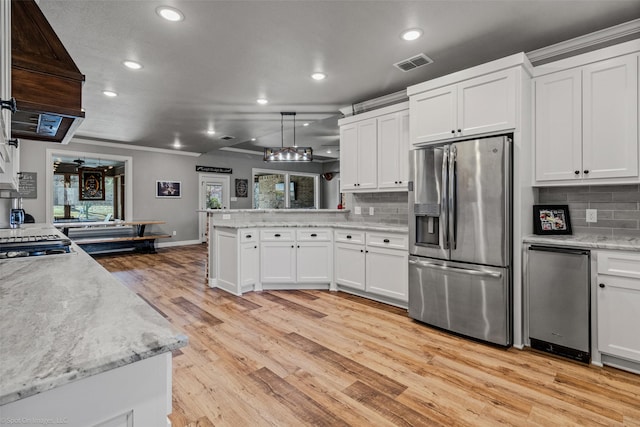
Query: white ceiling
{"points": [[208, 70]]}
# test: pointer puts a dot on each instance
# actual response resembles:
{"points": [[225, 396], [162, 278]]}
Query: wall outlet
{"points": [[371, 210], [592, 215], [358, 210], [175, 232], [226, 216]]}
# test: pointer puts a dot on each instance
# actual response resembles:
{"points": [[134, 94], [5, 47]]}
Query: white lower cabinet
{"points": [[293, 256], [236, 267], [618, 303], [375, 263]]}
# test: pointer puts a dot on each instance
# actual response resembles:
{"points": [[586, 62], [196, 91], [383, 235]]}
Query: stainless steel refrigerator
{"points": [[460, 238]]}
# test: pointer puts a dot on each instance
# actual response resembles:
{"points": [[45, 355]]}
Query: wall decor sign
{"points": [[91, 184], [213, 169], [551, 219], [242, 187], [28, 185], [168, 189]]}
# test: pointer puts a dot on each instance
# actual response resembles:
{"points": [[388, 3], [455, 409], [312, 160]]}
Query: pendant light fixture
{"points": [[288, 154]]}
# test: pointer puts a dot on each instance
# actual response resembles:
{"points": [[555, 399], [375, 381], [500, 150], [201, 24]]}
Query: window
{"points": [[62, 191], [269, 190]]}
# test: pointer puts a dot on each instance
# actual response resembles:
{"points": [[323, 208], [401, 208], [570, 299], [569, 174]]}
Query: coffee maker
{"points": [[16, 214]]}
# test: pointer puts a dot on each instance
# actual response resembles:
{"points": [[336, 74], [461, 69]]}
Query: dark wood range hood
{"points": [[45, 82]]}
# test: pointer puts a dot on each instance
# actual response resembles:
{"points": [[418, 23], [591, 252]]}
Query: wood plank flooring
{"points": [[293, 358]]}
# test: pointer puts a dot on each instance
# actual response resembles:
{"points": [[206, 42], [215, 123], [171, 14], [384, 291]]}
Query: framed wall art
{"points": [[91, 183], [551, 219], [168, 189], [242, 187]]}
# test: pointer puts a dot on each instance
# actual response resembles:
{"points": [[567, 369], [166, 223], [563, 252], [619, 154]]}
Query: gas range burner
{"points": [[36, 245]]}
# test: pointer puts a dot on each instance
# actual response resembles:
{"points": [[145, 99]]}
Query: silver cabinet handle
{"points": [[482, 273]]}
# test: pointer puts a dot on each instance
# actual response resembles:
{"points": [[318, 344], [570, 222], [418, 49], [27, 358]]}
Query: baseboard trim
{"points": [[177, 243]]}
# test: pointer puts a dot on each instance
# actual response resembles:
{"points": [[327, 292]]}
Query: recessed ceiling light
{"points": [[132, 65], [109, 93], [211, 132], [328, 151], [318, 76], [176, 144], [170, 13], [305, 124], [262, 101], [253, 139], [411, 34]]}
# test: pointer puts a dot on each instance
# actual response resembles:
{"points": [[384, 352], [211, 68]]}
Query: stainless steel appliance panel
{"points": [[428, 202], [479, 214], [558, 291], [468, 299]]}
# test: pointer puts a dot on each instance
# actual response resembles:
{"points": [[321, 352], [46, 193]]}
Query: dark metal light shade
{"points": [[288, 154]]}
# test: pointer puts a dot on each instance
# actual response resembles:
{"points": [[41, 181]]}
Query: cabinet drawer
{"points": [[248, 236], [349, 236], [618, 263], [313, 235], [277, 235], [385, 240]]}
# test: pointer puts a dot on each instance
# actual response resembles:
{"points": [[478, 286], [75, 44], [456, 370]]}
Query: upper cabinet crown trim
{"points": [[375, 113], [518, 59], [588, 58]]}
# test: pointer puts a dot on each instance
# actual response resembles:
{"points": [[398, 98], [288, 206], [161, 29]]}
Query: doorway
{"points": [[214, 194]]}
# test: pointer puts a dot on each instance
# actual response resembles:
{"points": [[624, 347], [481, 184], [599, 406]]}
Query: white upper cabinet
{"points": [[586, 124], [610, 118], [558, 126], [358, 155], [9, 155], [374, 150], [393, 150], [475, 106]]}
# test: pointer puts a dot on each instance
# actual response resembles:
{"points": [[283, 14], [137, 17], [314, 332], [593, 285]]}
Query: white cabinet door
{"points": [[249, 264], [610, 118], [558, 126], [314, 262], [9, 156], [367, 154], [227, 260], [619, 316], [487, 103], [277, 262], [349, 265], [348, 157], [433, 115], [387, 273], [393, 150]]}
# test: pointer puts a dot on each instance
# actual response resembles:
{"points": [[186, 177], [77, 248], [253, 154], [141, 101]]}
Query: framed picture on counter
{"points": [[168, 189], [551, 219]]}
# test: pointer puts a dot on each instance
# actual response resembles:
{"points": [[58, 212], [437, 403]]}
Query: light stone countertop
{"points": [[64, 318], [262, 211], [587, 241], [389, 228]]}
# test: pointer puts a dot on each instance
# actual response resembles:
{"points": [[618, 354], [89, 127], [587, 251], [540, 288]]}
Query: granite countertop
{"points": [[587, 241], [257, 211], [390, 228], [64, 318]]}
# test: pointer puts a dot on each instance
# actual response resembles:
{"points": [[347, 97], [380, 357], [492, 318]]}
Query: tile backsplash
{"points": [[389, 208], [617, 206]]}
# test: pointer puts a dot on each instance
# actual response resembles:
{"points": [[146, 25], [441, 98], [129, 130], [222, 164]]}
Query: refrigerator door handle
{"points": [[482, 273], [445, 199], [453, 182]]}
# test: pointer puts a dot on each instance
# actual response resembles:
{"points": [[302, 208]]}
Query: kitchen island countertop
{"points": [[389, 228], [64, 318], [587, 241]]}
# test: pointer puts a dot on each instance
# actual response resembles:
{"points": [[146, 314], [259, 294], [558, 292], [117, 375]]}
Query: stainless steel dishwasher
{"points": [[559, 301]]}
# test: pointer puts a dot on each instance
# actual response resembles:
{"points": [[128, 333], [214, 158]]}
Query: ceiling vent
{"points": [[413, 62], [227, 138]]}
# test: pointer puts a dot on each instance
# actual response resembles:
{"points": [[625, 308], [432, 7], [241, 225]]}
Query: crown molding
{"points": [[134, 147], [625, 29]]}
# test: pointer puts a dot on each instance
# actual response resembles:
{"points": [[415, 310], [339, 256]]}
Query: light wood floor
{"points": [[293, 358]]}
